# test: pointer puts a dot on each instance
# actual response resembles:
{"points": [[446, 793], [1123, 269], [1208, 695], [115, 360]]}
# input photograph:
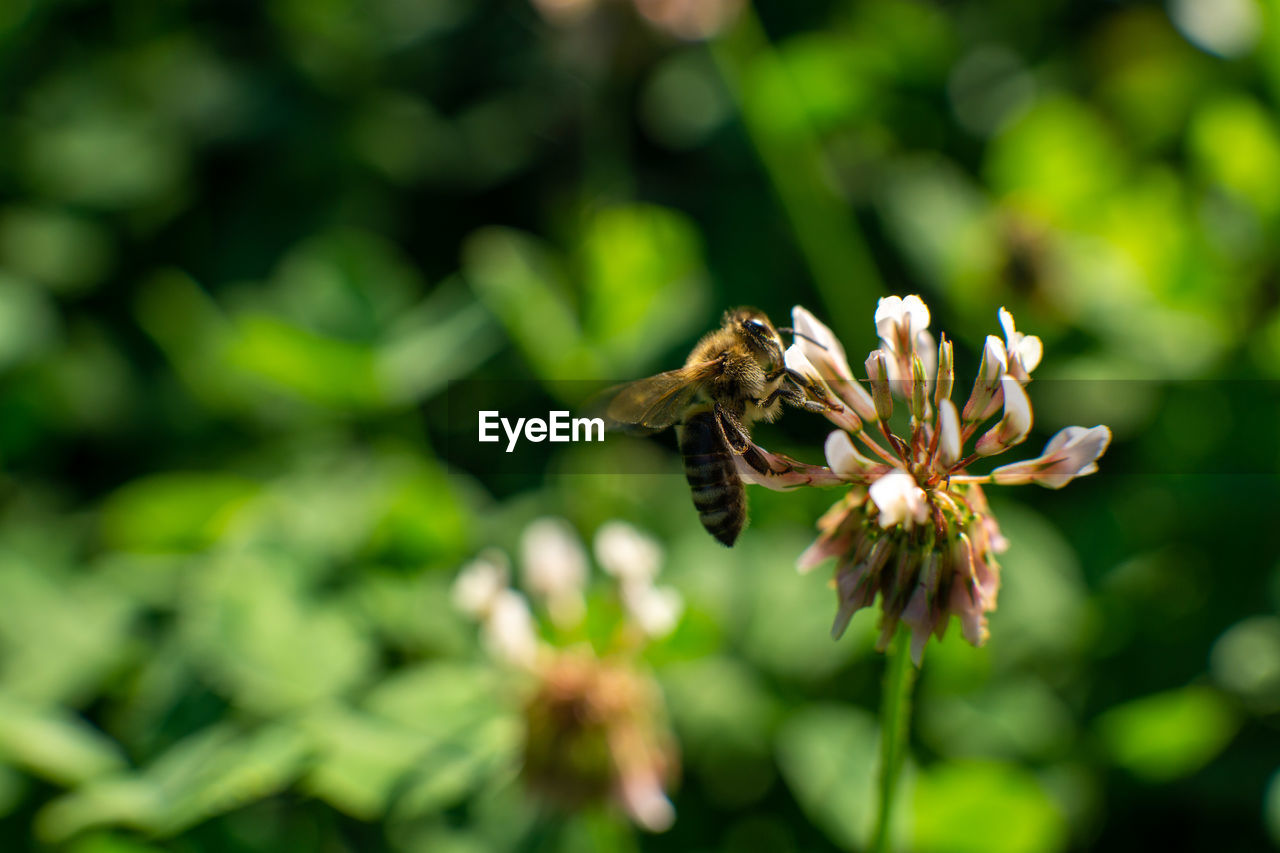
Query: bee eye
{"points": [[754, 325]]}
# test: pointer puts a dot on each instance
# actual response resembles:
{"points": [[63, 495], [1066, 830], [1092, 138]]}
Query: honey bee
{"points": [[736, 375]]}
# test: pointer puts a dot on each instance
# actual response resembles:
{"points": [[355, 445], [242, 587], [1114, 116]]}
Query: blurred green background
{"points": [[245, 247]]}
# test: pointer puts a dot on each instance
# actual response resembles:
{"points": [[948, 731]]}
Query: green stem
{"points": [[793, 157], [895, 722]]}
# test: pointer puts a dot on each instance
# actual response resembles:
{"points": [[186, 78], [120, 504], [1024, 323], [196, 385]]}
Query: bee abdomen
{"points": [[718, 494]]}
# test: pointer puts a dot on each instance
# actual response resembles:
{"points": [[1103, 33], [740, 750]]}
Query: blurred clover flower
{"points": [[595, 722], [915, 528], [690, 20]]}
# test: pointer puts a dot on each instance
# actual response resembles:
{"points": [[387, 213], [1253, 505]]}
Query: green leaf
{"points": [[364, 760], [211, 772], [1271, 808], [984, 807], [307, 366], [28, 321], [61, 636], [719, 704], [441, 339], [263, 642], [644, 281], [828, 756], [54, 744], [175, 511], [1235, 143], [1011, 718], [63, 252], [1058, 158], [1043, 604], [344, 283], [523, 284], [1168, 735], [107, 843]]}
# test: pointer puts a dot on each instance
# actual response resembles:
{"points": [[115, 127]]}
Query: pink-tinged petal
{"points": [[645, 802], [784, 473], [973, 623], [852, 593], [823, 548], [1072, 453], [1016, 473]]}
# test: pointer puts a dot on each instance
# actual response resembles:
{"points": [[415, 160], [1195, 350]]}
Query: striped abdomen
{"points": [[718, 493]]}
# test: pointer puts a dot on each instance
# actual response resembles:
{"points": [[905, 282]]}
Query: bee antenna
{"points": [[794, 333]]}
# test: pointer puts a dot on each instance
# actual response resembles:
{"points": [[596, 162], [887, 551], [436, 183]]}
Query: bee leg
{"points": [[730, 429], [797, 390]]}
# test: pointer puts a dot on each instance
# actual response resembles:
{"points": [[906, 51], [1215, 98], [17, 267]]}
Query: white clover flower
{"points": [[554, 568], [1012, 429], [1024, 351], [655, 610], [845, 460], [626, 553], [1071, 453], [509, 630], [914, 529], [821, 349], [479, 583], [900, 499], [898, 320], [819, 344]]}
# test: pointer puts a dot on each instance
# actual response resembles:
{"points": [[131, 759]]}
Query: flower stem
{"points": [[895, 721]]}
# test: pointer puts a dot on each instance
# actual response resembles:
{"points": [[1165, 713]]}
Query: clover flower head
{"points": [[914, 531], [595, 725]]}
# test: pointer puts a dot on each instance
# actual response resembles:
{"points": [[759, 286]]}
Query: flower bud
{"points": [[878, 373], [919, 396], [946, 372]]}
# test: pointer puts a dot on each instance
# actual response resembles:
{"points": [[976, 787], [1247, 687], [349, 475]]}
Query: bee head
{"points": [[756, 331]]}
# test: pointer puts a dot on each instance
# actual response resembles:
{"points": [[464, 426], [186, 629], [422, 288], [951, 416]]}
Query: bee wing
{"points": [[653, 404]]}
